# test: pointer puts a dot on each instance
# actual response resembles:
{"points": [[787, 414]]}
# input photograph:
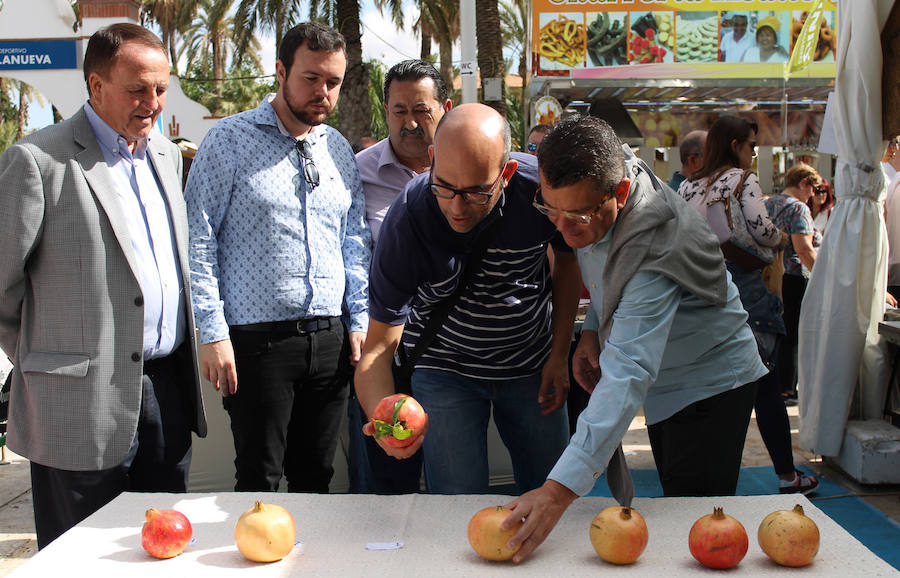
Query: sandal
{"points": [[802, 484]]}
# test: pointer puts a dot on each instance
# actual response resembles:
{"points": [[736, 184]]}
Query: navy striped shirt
{"points": [[501, 326]]}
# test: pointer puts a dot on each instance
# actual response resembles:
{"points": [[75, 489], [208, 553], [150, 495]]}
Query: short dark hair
{"points": [[318, 37], [541, 128], [104, 45], [718, 153], [582, 148], [413, 70]]}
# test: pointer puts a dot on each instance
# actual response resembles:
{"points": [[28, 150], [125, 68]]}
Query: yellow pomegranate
{"points": [[265, 533]]}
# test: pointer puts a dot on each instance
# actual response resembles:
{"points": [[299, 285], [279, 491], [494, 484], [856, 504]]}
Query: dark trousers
{"points": [[793, 288], [159, 459], [286, 414], [698, 450], [371, 470], [774, 425]]}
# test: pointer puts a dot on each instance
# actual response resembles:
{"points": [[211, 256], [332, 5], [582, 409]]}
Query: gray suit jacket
{"points": [[71, 314]]}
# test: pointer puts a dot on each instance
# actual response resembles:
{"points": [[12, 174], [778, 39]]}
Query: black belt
{"points": [[300, 327], [156, 364]]}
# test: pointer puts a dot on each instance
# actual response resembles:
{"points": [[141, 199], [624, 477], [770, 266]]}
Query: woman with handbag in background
{"points": [[790, 212], [727, 193]]}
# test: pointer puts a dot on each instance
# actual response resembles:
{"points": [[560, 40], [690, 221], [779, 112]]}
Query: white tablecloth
{"points": [[334, 531]]}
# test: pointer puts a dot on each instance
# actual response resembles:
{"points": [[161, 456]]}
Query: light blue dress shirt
{"points": [[265, 246], [667, 349], [152, 237], [383, 177]]}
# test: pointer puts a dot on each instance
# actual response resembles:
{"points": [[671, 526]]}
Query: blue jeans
{"points": [[459, 409]]}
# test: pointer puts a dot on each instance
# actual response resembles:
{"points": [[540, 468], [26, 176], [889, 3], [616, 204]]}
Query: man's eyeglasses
{"points": [[310, 172], [482, 197], [532, 147], [576, 218]]}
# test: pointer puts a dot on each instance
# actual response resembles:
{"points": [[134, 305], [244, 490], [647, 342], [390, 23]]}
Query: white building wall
{"points": [[65, 88]]}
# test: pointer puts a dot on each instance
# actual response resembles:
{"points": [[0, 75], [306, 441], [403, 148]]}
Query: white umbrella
{"points": [[839, 342]]}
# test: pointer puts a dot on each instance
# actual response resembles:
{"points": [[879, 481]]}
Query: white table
{"points": [[334, 531]]}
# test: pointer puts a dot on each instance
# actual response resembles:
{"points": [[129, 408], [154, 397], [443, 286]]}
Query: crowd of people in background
{"points": [[310, 266]]}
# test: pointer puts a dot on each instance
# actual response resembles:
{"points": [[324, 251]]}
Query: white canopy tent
{"points": [[839, 344]]}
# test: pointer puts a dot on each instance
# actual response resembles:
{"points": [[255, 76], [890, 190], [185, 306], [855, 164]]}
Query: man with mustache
{"points": [[279, 244], [415, 100], [95, 302]]}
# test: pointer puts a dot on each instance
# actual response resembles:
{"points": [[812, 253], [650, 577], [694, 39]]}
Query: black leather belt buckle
{"points": [[305, 326]]}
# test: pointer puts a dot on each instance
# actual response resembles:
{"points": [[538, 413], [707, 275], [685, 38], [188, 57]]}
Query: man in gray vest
{"points": [[666, 329]]}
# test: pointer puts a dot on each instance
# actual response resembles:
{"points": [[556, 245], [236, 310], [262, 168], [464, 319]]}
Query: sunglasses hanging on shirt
{"points": [[310, 172]]}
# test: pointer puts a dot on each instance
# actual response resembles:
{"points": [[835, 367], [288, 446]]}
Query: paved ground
{"points": [[17, 538]]}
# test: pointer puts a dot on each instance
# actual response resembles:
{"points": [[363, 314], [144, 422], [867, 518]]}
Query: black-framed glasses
{"points": [[310, 172], [820, 190], [576, 218], [482, 197]]}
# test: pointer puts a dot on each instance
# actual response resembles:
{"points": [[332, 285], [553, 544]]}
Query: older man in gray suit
{"points": [[95, 293]]}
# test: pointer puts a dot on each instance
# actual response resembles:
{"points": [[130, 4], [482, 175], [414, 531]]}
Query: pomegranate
{"points": [[789, 537], [486, 537], [718, 541], [399, 420], [165, 533], [619, 534], [265, 533]]}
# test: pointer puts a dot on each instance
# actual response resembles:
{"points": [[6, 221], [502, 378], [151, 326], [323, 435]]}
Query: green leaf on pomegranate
{"points": [[401, 433], [383, 428], [397, 406]]}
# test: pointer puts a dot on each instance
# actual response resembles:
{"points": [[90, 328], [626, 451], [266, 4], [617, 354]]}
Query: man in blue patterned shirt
{"points": [[279, 243]]}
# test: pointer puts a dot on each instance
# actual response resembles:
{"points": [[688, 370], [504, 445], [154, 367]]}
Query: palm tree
{"points": [[173, 17], [209, 39], [440, 19], [355, 114], [513, 19], [276, 16], [376, 99], [490, 48]]}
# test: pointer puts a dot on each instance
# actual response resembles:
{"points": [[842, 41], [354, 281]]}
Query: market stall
{"points": [[420, 535], [674, 67]]}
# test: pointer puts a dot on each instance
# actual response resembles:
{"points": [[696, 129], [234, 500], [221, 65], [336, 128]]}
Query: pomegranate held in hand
{"points": [[399, 420], [789, 537], [165, 533], [718, 541], [265, 533], [619, 534], [486, 537]]}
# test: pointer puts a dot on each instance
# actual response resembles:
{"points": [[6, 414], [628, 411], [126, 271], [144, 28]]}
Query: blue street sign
{"points": [[37, 54]]}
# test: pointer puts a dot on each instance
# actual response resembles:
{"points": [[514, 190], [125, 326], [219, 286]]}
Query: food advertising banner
{"points": [[634, 39], [664, 128]]}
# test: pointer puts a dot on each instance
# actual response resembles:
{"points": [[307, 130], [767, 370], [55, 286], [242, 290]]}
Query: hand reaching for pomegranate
{"points": [[540, 509]]}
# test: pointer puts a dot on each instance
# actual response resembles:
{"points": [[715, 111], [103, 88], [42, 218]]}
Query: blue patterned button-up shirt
{"points": [[265, 246]]}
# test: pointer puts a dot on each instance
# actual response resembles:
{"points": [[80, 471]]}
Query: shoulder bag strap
{"points": [[442, 310], [737, 192]]}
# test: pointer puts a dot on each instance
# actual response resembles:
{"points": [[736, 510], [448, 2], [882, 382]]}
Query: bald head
{"points": [[691, 151], [478, 130], [470, 164]]}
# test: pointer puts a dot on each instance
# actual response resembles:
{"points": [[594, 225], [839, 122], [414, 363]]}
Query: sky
{"points": [[379, 37]]}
